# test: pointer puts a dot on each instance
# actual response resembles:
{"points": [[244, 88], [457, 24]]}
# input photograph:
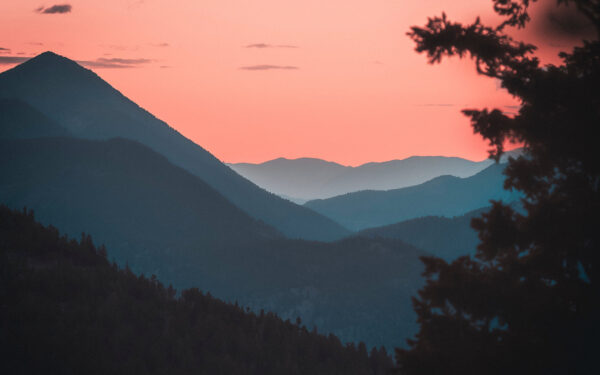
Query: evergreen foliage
{"points": [[528, 303], [65, 309]]}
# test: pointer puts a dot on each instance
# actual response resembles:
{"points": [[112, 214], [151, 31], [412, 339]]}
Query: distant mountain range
{"points": [[88, 107], [306, 179], [442, 196], [87, 159], [160, 218]]}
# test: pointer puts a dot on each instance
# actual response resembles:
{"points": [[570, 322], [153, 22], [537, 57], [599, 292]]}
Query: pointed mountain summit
{"points": [[88, 107]]}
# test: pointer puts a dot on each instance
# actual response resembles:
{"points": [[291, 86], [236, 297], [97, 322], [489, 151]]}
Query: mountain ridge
{"points": [[304, 179], [443, 196], [88, 107]]}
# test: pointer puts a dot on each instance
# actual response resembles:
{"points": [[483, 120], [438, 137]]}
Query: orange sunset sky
{"points": [[255, 80]]}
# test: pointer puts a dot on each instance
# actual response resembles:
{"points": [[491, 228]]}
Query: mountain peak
{"points": [[51, 69], [49, 58]]}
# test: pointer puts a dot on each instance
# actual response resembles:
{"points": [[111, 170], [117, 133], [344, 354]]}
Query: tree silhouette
{"points": [[529, 301]]}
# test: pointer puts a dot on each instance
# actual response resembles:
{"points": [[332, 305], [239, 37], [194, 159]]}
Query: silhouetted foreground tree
{"points": [[528, 302], [64, 309]]}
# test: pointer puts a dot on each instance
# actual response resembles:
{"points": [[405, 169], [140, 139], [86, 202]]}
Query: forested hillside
{"points": [[66, 309]]}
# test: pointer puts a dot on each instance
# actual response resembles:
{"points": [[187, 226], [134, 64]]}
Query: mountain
{"points": [[131, 197], [298, 180], [65, 309], [444, 237], [160, 219], [88, 107], [442, 196], [20, 120], [306, 179]]}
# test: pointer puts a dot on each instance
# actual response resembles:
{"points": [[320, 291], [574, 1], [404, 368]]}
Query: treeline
{"points": [[64, 308]]}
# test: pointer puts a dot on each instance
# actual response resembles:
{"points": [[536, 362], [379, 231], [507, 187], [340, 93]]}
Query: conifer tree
{"points": [[528, 302]]}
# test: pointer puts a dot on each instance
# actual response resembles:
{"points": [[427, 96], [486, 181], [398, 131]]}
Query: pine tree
{"points": [[528, 302]]}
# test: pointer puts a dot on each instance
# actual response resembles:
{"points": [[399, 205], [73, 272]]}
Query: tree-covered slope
{"points": [[89, 107], [64, 309]]}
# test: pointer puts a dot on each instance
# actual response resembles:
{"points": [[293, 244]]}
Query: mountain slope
{"points": [[442, 196], [443, 237], [65, 309], [160, 219], [132, 198], [308, 178], [88, 107], [20, 120]]}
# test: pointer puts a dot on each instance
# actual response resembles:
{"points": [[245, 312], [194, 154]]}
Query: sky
{"points": [[251, 81]]}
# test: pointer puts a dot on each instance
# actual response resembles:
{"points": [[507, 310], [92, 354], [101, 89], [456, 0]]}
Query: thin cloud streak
{"points": [[269, 67], [55, 9], [265, 45], [113, 63], [99, 63], [9, 60], [118, 60]]}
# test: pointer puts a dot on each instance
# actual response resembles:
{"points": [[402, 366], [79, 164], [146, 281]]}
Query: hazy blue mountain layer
{"points": [[307, 178], [442, 196]]}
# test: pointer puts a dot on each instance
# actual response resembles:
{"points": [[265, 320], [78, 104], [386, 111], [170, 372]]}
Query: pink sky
{"points": [[360, 93]]}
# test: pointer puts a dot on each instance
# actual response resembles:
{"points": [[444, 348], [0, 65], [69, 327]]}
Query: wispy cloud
{"points": [[265, 45], [9, 60], [118, 47], [55, 9], [269, 67], [160, 44], [114, 63], [99, 63], [4, 50]]}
